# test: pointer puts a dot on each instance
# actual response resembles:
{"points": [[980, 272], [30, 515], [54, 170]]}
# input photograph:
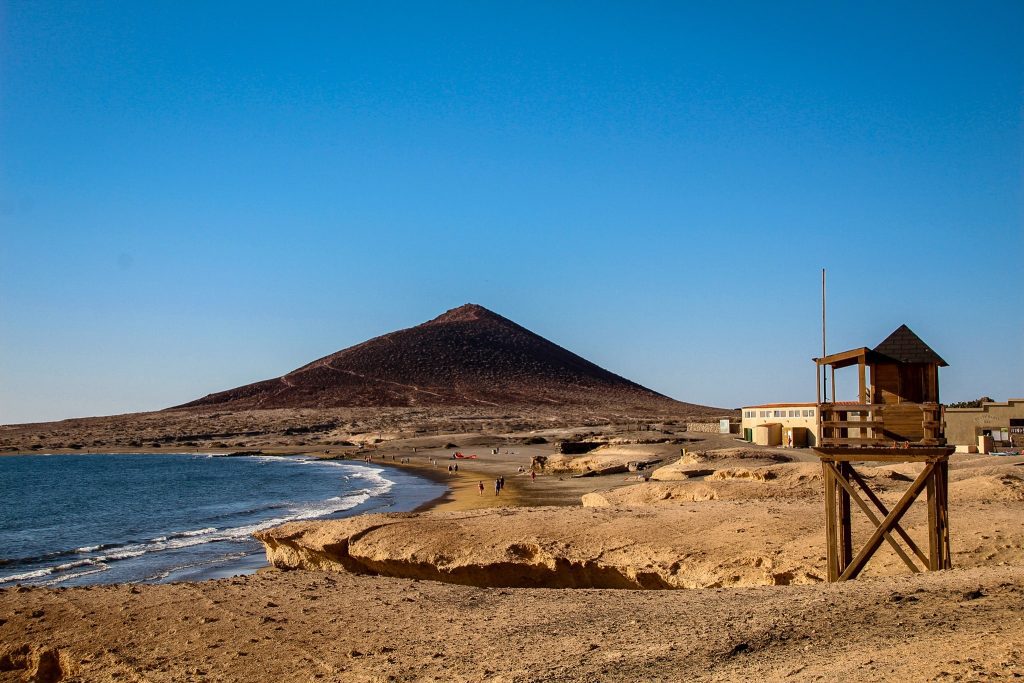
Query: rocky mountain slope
{"points": [[469, 356]]}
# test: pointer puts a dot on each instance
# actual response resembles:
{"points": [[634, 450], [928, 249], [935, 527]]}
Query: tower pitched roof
{"points": [[906, 347]]}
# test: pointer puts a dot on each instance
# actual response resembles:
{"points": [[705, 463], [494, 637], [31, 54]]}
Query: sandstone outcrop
{"points": [[544, 547], [680, 471], [609, 459]]}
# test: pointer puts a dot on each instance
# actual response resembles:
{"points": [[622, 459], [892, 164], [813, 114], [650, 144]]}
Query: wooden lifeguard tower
{"points": [[897, 418]]}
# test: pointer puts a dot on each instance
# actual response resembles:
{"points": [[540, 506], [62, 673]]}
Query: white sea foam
{"points": [[161, 575], [122, 555], [26, 576], [47, 571], [61, 579], [184, 534], [191, 532]]}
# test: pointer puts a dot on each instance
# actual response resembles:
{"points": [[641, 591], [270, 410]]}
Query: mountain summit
{"points": [[468, 356]]}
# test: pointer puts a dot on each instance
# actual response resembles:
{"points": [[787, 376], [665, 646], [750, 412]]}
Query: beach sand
{"points": [[963, 624], [303, 626]]}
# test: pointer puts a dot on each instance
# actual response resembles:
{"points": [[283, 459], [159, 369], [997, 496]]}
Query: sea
{"points": [[72, 520]]}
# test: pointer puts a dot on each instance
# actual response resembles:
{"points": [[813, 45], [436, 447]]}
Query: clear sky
{"points": [[195, 196]]}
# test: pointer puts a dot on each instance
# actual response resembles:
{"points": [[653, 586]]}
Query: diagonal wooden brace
{"points": [[874, 520], [884, 510], [893, 518]]}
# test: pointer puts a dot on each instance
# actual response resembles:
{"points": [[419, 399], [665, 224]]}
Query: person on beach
{"points": [[497, 486], [533, 475], [481, 485], [502, 480], [456, 467]]}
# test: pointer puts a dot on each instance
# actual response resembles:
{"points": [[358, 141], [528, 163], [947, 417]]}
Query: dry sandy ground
{"points": [[305, 626], [964, 624], [752, 521]]}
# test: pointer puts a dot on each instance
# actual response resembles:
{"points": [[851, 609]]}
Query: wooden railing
{"points": [[891, 425]]}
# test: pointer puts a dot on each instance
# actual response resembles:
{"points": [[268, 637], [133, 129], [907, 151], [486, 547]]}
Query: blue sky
{"points": [[194, 197]]}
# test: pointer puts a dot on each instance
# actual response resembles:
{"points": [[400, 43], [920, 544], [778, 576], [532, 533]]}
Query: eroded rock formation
{"points": [[540, 547]]}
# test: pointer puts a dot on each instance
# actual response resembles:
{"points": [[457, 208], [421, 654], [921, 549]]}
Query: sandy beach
{"points": [[741, 540]]}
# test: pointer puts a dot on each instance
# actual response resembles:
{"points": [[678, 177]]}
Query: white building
{"points": [[797, 424]]}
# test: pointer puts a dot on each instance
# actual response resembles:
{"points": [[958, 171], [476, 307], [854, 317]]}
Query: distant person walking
{"points": [[533, 475], [481, 485], [497, 486]]}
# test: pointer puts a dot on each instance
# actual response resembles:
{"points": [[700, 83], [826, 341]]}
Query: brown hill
{"points": [[467, 356]]}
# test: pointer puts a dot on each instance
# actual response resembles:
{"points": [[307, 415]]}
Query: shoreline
{"points": [[460, 490], [462, 487], [418, 466], [409, 490]]}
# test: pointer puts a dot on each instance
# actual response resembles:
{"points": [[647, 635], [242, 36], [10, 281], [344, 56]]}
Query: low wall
{"points": [[963, 425]]}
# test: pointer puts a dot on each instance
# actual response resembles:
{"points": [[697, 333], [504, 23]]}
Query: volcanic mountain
{"points": [[469, 356]]}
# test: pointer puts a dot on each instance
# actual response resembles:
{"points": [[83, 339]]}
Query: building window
{"points": [[779, 413], [808, 413], [794, 413]]}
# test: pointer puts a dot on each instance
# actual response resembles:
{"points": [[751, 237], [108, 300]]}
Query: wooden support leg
{"points": [[942, 493], [844, 527], [830, 521], [934, 544]]}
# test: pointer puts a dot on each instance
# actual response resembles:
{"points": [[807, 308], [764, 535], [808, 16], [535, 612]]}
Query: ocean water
{"points": [[82, 519]]}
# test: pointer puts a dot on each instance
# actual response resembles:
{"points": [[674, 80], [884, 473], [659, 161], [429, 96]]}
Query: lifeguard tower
{"points": [[897, 418]]}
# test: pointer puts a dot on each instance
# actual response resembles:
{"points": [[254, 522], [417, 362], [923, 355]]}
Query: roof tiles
{"points": [[906, 347]]}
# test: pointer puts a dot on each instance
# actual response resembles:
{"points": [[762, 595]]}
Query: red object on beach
{"points": [[465, 457]]}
